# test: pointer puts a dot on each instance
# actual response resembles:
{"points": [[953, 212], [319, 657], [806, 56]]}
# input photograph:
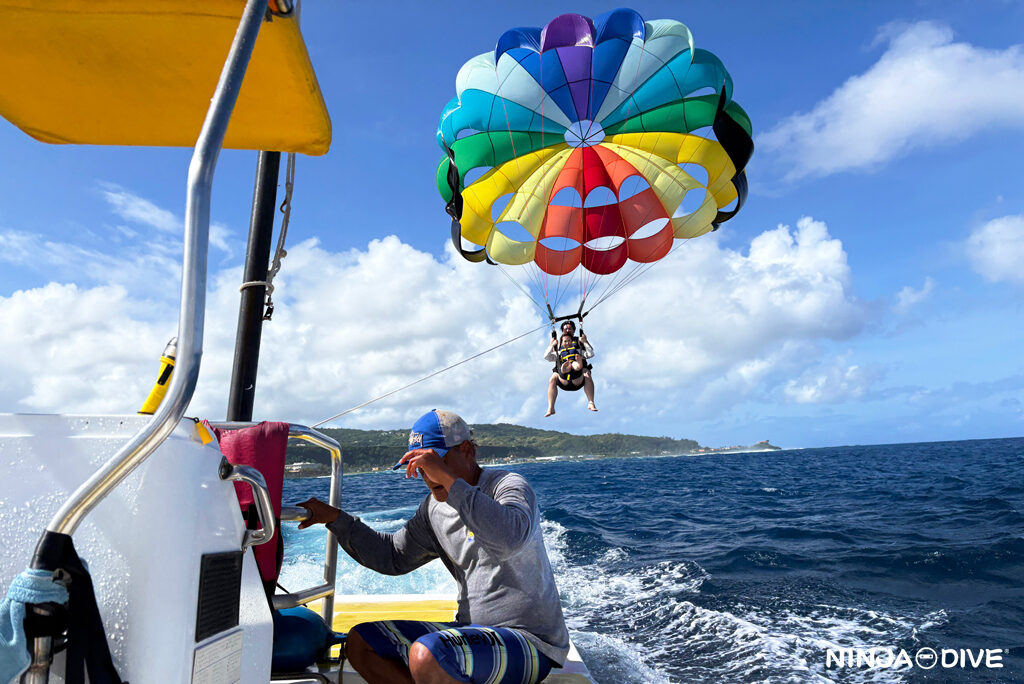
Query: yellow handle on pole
{"points": [[156, 395]]}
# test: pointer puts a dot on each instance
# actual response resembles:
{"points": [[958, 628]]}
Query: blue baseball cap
{"points": [[437, 430]]}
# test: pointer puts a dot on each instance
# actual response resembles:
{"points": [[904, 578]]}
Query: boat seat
{"points": [[262, 446]]}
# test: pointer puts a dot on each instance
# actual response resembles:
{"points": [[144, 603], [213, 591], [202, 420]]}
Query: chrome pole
{"points": [[193, 285], [331, 552], [191, 314]]}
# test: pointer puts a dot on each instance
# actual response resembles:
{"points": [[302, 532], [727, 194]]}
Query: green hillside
{"points": [[366, 450]]}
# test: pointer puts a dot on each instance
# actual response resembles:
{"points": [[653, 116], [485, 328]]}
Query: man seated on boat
{"points": [[571, 371], [484, 525]]}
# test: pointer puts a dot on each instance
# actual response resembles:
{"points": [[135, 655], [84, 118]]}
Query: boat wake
{"points": [[669, 621], [637, 622]]}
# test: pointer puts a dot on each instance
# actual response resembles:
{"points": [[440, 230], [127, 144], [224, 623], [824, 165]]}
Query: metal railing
{"points": [[326, 590]]}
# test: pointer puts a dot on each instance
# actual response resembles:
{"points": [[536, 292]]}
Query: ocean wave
{"points": [[613, 660], [739, 568], [672, 622], [977, 561]]}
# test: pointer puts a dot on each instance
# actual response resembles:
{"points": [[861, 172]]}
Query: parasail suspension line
{"points": [[521, 288], [426, 377]]}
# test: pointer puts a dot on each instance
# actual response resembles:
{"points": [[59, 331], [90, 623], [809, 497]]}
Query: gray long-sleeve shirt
{"points": [[489, 538]]}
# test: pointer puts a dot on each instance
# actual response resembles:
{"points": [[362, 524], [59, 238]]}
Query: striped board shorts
{"points": [[468, 653]]}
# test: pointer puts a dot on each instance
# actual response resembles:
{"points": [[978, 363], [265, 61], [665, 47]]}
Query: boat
{"points": [[149, 501]]}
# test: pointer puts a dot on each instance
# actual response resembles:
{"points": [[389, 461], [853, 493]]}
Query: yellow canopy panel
{"points": [[142, 72]]}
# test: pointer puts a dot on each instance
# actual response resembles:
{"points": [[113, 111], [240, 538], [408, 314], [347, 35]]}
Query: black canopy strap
{"points": [[740, 147], [740, 181], [454, 209], [579, 315], [87, 648]]}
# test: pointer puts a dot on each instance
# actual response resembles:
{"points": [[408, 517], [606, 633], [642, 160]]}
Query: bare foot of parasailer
{"points": [[590, 405], [551, 412]]}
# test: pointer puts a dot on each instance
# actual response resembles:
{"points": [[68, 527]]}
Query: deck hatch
{"points": [[220, 586]]}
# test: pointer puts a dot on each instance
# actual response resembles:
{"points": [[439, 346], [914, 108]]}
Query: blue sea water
{"points": [[749, 567]]}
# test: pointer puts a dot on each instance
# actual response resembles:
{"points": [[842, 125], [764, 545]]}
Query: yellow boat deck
{"points": [[350, 610]]}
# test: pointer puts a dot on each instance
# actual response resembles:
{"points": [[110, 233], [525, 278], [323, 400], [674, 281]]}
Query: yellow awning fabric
{"points": [[142, 72]]}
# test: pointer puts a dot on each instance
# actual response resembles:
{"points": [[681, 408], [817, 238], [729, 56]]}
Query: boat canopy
{"points": [[142, 72]]}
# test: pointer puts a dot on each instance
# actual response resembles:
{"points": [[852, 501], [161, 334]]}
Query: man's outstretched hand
{"points": [[319, 511]]}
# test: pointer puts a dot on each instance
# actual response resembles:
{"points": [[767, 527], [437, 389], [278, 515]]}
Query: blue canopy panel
{"points": [[615, 32], [546, 69], [482, 111], [674, 81], [581, 93]]}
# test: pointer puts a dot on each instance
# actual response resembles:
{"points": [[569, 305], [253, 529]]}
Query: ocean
{"points": [[755, 567]]}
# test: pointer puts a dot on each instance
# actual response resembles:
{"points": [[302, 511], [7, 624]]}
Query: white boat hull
{"points": [[143, 543]]}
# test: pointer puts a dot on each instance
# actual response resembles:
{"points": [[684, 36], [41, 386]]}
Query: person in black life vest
{"points": [[571, 371], [570, 359]]}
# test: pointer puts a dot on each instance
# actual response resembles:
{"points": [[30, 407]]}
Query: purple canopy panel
{"points": [[567, 30], [576, 63]]}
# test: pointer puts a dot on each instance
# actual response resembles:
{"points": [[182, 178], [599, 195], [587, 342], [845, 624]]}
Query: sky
{"points": [[870, 291]]}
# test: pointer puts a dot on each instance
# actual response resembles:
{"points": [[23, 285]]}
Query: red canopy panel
{"points": [[557, 262]]}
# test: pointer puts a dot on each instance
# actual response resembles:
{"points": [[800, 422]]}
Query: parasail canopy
{"points": [[585, 147]]}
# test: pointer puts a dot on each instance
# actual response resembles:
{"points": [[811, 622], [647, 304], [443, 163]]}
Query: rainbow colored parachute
{"points": [[584, 138]]}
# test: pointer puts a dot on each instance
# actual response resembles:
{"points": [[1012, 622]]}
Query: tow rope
{"points": [[426, 377]]}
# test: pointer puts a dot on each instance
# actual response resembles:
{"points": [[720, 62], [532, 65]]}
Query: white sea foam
{"points": [[304, 559], [613, 660], [593, 590], [643, 623]]}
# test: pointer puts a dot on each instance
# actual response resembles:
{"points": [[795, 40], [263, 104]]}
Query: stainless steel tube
{"points": [[303, 596], [294, 513], [264, 507], [193, 284], [337, 475], [327, 589], [42, 657]]}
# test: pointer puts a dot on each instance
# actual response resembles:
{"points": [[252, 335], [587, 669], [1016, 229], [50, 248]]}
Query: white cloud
{"points": [[908, 297], [717, 327], [77, 350], [925, 90], [352, 326], [153, 267], [144, 258], [220, 238], [708, 328], [996, 249], [833, 382], [17, 247], [139, 210]]}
